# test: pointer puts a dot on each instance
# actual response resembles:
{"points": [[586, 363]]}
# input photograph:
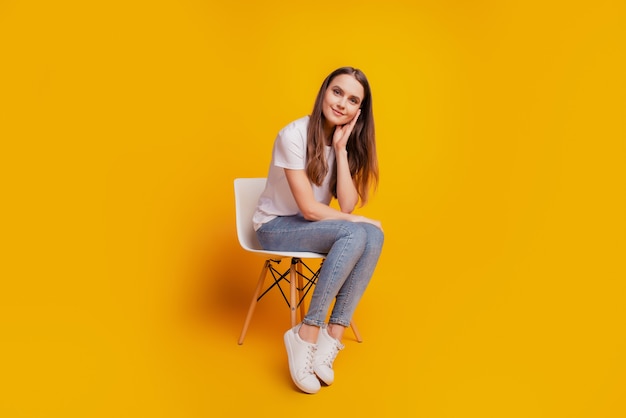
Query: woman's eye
{"points": [[337, 92], [354, 101]]}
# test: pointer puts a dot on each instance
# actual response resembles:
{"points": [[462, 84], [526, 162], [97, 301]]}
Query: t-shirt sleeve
{"points": [[289, 150]]}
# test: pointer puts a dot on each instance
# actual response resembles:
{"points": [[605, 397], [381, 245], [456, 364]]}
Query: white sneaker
{"points": [[301, 354], [327, 350]]}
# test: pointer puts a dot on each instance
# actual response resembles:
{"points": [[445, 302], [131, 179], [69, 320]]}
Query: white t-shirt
{"points": [[289, 152]]}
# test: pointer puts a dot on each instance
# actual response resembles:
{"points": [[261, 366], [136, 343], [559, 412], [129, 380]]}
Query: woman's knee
{"points": [[374, 235], [362, 233], [354, 233]]}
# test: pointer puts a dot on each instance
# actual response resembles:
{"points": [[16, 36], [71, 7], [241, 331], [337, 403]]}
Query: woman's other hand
{"points": [[369, 221]]}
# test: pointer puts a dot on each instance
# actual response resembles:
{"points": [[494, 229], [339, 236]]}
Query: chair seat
{"points": [[289, 254]]}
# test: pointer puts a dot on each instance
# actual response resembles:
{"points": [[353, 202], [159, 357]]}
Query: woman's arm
{"points": [[347, 195], [310, 208]]}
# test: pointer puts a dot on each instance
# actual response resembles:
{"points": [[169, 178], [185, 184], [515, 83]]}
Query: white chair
{"points": [[247, 192]]}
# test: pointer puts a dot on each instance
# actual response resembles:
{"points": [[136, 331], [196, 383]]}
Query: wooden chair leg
{"points": [[300, 292], [355, 330], [293, 304], [257, 292]]}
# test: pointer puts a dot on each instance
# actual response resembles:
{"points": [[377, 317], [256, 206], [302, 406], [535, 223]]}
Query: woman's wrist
{"points": [[341, 151]]}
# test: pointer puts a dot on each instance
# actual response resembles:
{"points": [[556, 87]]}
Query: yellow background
{"points": [[502, 143]]}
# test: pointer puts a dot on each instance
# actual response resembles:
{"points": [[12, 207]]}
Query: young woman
{"points": [[329, 154]]}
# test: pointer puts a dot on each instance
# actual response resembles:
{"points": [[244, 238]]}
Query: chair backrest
{"points": [[247, 192]]}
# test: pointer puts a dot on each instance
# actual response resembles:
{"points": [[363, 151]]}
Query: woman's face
{"points": [[342, 100]]}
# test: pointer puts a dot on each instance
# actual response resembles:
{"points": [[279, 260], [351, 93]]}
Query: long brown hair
{"points": [[361, 147]]}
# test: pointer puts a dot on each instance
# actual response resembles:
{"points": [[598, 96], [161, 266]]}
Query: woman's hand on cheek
{"points": [[342, 133]]}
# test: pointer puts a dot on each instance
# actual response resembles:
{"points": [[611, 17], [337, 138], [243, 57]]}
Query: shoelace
{"points": [[310, 355], [330, 358]]}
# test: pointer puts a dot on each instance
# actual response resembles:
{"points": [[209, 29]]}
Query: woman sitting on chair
{"points": [[329, 154]]}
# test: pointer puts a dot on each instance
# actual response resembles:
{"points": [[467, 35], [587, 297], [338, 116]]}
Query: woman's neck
{"points": [[328, 134]]}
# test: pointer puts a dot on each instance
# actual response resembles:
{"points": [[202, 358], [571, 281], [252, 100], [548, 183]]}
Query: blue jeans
{"points": [[352, 250]]}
